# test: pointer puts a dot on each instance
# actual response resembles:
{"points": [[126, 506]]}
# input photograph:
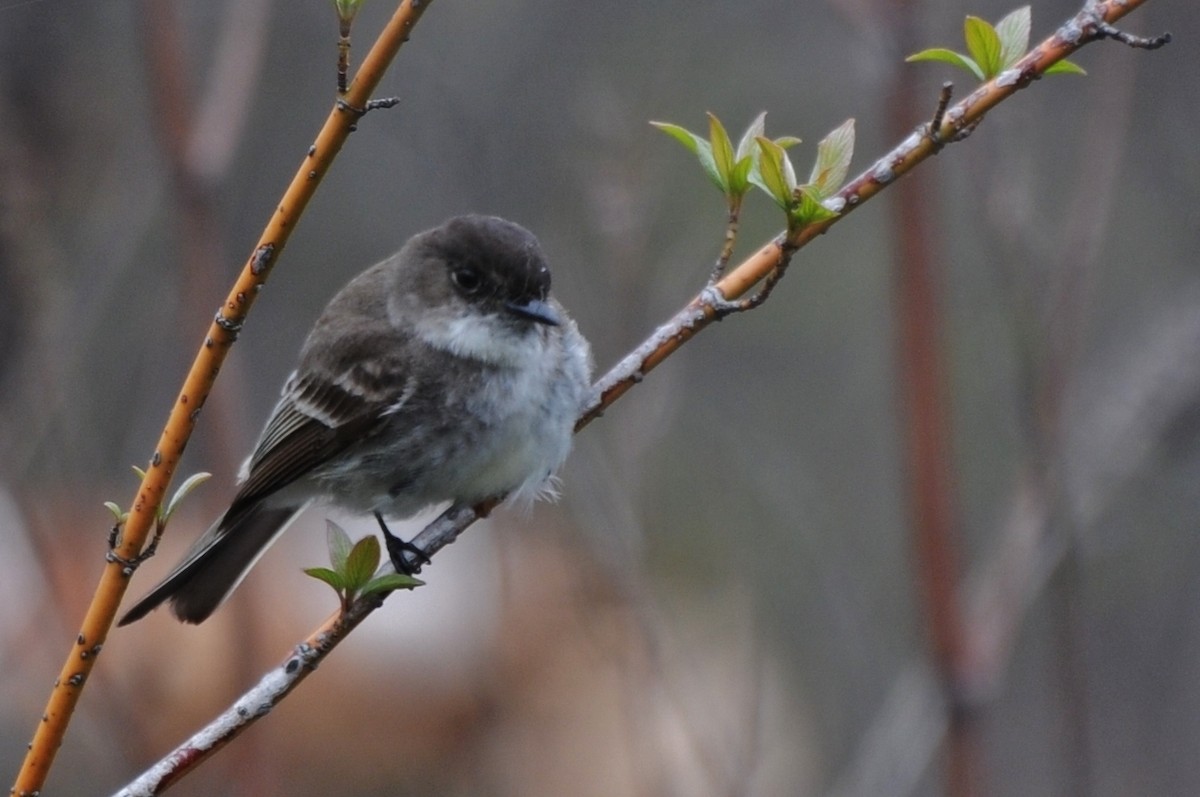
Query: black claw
{"points": [[407, 558]]}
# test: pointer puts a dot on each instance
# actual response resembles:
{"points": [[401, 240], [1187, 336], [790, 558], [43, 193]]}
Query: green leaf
{"points": [[747, 148], [362, 562], [948, 57], [833, 159], [772, 176], [330, 577], [984, 45], [722, 150], [697, 146], [389, 582], [346, 9], [739, 181], [141, 474], [118, 513], [338, 543], [189, 484], [1065, 68], [810, 209], [684, 136], [787, 141], [1013, 32]]}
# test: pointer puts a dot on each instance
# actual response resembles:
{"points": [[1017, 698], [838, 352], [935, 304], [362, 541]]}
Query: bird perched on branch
{"points": [[446, 372]]}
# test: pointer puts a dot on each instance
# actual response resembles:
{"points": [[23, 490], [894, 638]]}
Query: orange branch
{"points": [[196, 387]]}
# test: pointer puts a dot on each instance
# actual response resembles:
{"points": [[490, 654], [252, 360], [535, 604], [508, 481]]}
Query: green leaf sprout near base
{"points": [[354, 568], [993, 49], [165, 511]]}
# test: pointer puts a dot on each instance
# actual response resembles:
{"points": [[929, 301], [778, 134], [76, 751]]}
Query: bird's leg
{"points": [[402, 553]]}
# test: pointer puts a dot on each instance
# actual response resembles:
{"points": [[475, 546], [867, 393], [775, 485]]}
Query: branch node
{"points": [[228, 324], [372, 105], [939, 116]]}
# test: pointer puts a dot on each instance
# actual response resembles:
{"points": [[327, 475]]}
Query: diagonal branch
{"points": [[767, 264], [196, 387]]}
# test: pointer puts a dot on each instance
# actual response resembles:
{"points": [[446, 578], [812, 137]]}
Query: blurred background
{"points": [[924, 524]]}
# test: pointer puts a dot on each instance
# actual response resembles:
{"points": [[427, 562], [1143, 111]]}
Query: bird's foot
{"points": [[407, 558]]}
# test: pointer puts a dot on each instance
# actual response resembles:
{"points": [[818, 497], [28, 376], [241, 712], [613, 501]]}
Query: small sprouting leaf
{"points": [[722, 150], [189, 484], [1065, 68], [697, 146], [390, 581], [948, 57], [141, 474], [809, 208], [787, 141], [362, 562], [338, 543], [833, 159], [684, 136], [739, 180], [984, 45], [772, 173], [330, 577], [117, 512], [346, 9], [747, 147], [1013, 32]]}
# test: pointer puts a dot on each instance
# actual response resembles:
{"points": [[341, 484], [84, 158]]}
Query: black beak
{"points": [[536, 310]]}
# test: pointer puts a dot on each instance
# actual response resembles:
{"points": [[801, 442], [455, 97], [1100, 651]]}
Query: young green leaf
{"points": [[1065, 68], [189, 484], [833, 159], [697, 146], [362, 562], [984, 45], [772, 175], [1013, 32], [330, 577], [347, 9], [389, 582], [338, 543], [722, 150], [948, 57], [808, 209], [747, 146], [118, 513], [739, 180]]}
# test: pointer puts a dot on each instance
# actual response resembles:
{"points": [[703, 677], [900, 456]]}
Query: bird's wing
{"points": [[327, 407]]}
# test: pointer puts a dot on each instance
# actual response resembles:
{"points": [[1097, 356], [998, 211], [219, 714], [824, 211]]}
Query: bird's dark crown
{"points": [[489, 257]]}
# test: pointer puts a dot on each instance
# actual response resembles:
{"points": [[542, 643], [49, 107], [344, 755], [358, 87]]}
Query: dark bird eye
{"points": [[467, 280]]}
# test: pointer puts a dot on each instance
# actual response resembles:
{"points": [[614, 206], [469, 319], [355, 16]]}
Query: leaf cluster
{"points": [[763, 163], [165, 511], [991, 49], [354, 570]]}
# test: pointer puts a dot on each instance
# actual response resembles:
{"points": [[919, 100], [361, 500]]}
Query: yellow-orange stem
{"points": [[199, 381]]}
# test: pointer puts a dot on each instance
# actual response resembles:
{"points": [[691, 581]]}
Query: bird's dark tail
{"points": [[216, 564]]}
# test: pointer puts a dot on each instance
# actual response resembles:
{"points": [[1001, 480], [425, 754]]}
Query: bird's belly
{"points": [[510, 442]]}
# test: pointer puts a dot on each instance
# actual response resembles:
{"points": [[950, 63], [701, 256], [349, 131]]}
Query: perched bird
{"points": [[446, 372]]}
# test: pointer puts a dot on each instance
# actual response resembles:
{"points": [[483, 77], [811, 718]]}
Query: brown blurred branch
{"points": [[197, 385], [711, 304]]}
